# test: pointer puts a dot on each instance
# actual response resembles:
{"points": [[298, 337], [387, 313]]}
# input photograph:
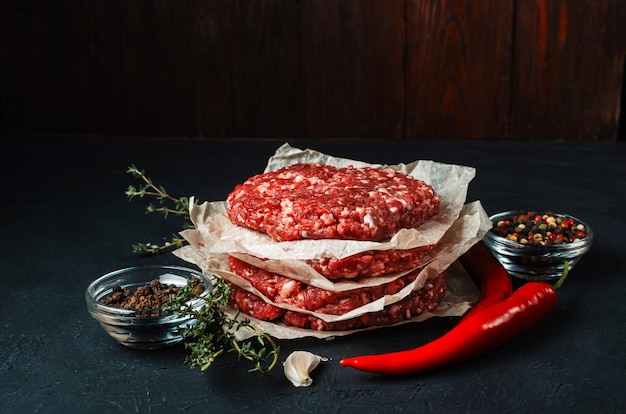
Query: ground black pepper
{"points": [[153, 295], [529, 227]]}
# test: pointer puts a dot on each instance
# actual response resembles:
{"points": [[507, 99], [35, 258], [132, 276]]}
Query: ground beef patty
{"points": [[315, 201], [284, 290], [424, 300], [371, 263]]}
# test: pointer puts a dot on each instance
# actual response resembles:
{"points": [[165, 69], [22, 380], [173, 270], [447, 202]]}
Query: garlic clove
{"points": [[298, 367]]}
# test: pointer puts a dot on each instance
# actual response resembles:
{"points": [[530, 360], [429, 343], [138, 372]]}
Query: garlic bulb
{"points": [[299, 365]]}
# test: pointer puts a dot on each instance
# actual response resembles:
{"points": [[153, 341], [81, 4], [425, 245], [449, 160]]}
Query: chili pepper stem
{"points": [[561, 280]]}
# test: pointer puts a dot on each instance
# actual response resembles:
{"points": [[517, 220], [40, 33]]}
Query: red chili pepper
{"points": [[484, 331], [494, 281]]}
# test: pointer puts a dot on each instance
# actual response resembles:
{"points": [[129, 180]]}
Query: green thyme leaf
{"points": [[213, 334]]}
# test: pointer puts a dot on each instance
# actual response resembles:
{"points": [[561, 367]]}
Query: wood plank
{"points": [[392, 69], [46, 73], [568, 74], [352, 68], [145, 68], [248, 69], [459, 61]]}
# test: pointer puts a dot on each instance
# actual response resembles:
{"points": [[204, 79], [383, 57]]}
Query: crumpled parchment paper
{"points": [[454, 230], [215, 231]]}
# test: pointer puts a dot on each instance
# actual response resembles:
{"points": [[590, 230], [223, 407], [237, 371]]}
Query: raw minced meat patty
{"points": [[316, 201], [424, 300], [252, 305], [284, 290], [371, 263]]}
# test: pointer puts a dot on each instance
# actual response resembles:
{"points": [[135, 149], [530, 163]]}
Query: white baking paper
{"points": [[454, 230], [461, 294], [467, 230], [215, 232]]}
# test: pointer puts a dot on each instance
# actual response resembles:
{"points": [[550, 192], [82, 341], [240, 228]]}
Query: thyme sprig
{"points": [[149, 248], [213, 332], [167, 205]]}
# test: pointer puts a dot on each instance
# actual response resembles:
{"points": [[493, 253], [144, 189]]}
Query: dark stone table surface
{"points": [[67, 221]]}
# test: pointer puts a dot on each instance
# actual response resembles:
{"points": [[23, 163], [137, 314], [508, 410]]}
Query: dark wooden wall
{"points": [[388, 69]]}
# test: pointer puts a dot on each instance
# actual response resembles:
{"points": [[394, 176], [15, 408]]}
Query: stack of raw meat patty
{"points": [[316, 201]]}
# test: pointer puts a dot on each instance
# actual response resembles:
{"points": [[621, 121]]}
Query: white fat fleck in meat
{"points": [[262, 188], [367, 219], [287, 206], [288, 289], [315, 180], [327, 218]]}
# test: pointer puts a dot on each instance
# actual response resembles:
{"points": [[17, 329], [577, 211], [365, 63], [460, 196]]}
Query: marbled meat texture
{"points": [[284, 290], [371, 263], [315, 201], [424, 300]]}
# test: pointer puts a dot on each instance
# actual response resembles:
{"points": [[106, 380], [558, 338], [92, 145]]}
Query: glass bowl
{"points": [[533, 261], [142, 328]]}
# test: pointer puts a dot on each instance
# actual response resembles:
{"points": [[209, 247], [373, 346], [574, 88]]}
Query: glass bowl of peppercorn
{"points": [[132, 304], [535, 246]]}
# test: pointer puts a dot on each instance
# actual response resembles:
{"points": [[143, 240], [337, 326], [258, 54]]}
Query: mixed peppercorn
{"points": [[540, 229]]}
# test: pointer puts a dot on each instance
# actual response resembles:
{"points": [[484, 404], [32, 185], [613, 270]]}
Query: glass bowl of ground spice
{"points": [[132, 304], [535, 246]]}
